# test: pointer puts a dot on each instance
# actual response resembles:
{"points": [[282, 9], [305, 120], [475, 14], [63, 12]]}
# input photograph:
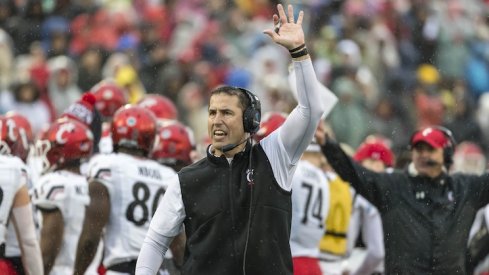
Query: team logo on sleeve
{"points": [[53, 192], [103, 174]]}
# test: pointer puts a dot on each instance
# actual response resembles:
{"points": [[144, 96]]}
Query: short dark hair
{"points": [[18, 86], [244, 100]]}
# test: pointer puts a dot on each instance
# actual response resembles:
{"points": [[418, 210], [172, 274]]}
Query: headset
{"points": [[252, 113], [448, 150]]}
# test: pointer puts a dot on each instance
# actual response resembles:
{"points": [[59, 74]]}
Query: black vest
{"points": [[216, 197]]}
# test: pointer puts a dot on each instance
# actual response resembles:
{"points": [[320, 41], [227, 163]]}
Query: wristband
{"points": [[297, 48], [300, 53]]}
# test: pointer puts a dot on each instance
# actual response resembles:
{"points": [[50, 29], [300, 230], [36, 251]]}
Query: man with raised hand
{"points": [[235, 204]]}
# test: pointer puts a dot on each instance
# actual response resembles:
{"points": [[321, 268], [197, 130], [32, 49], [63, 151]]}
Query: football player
{"points": [[61, 194], [125, 188], [21, 150], [15, 204]]}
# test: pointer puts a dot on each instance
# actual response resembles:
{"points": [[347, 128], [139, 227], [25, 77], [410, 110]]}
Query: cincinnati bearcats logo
{"points": [[64, 128], [10, 128], [249, 176]]}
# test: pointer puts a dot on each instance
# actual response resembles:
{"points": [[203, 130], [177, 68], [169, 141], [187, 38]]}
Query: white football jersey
{"points": [[310, 205], [481, 221], [12, 248], [67, 192], [135, 186], [363, 212], [12, 177], [365, 219]]}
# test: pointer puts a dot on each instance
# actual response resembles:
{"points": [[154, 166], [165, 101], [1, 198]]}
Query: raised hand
{"points": [[287, 32]]}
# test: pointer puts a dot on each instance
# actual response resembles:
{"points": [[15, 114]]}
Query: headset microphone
{"points": [[231, 146]]}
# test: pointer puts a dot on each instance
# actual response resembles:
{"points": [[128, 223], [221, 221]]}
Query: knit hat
{"points": [[82, 110], [375, 150]]}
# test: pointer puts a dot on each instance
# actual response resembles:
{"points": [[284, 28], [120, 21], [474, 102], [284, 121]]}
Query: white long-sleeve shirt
{"points": [[284, 147], [366, 220], [481, 220]]}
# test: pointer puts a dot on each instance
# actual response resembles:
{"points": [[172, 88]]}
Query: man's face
{"points": [[427, 160], [225, 121]]}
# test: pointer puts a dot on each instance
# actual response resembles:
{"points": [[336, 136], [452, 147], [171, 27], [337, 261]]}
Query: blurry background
{"points": [[395, 65]]}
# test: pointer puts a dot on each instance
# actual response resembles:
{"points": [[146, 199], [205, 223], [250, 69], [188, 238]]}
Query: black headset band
{"points": [[447, 134], [250, 95]]}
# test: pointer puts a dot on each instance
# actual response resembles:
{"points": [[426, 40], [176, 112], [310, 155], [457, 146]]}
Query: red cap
{"points": [[375, 150], [82, 110], [434, 137]]}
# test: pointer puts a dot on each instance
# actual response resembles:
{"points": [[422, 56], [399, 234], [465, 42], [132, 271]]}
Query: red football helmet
{"points": [[64, 141], [161, 106], [9, 136], [26, 138], [269, 123], [174, 143], [134, 127], [109, 97]]}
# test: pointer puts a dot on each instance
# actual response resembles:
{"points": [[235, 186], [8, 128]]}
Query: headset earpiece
{"points": [[449, 149], [252, 114]]}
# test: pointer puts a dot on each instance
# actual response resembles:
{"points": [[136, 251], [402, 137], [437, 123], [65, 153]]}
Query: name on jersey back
{"points": [[148, 172]]}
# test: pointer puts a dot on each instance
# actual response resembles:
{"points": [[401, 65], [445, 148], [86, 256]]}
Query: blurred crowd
{"points": [[395, 65]]}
